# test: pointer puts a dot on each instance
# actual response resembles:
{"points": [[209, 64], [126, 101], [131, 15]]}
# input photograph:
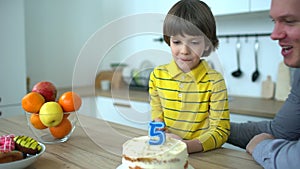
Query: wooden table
{"points": [[98, 144]]}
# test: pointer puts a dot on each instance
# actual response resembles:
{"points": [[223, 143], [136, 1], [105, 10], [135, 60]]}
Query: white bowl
{"points": [[25, 162]]}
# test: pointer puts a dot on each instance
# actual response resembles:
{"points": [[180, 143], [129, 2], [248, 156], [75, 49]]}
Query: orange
{"points": [[32, 102], [70, 101], [66, 114], [36, 122], [62, 129]]}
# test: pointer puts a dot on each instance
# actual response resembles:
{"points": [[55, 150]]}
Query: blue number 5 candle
{"points": [[157, 137]]}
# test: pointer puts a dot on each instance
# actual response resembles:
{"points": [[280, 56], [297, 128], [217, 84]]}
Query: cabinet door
{"points": [[228, 6], [13, 81], [88, 107], [260, 5], [130, 113], [10, 111], [12, 51]]}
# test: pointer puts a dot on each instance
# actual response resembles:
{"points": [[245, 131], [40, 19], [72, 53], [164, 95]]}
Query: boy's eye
{"points": [[195, 42], [176, 41]]}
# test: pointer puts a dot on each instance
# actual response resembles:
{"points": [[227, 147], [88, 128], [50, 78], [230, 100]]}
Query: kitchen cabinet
{"points": [[239, 118], [259, 5], [131, 113], [13, 78], [132, 107], [88, 106], [12, 51], [228, 7], [234, 7], [9, 111], [137, 113]]}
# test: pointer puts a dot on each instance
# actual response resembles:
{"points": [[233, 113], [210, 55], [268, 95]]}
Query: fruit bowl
{"points": [[56, 132], [51, 120]]}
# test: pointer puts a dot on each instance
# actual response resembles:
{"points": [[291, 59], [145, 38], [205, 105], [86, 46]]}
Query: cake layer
{"points": [[137, 153]]}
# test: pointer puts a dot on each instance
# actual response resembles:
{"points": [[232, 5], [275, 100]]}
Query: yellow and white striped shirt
{"points": [[193, 105]]}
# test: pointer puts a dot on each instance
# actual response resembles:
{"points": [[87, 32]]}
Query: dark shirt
{"points": [[284, 151]]}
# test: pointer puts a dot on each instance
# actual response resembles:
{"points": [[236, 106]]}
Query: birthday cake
{"points": [[139, 154]]}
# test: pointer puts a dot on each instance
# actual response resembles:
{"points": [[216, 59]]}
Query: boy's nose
{"points": [[185, 49]]}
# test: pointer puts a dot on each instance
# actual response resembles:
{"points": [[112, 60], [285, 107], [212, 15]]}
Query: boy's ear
{"points": [[207, 50]]}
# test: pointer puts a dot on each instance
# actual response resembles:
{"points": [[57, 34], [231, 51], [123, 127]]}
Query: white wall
{"points": [[12, 52], [57, 30], [268, 56]]}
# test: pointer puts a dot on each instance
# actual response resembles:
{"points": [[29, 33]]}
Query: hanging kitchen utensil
{"points": [[238, 72], [256, 72]]}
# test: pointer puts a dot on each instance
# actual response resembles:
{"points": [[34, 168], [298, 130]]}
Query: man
{"points": [[276, 144]]}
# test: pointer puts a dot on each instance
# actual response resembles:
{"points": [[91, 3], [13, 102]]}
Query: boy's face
{"points": [[187, 50], [286, 17]]}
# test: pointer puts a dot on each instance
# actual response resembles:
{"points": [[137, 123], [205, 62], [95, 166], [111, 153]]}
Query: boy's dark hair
{"points": [[192, 17]]}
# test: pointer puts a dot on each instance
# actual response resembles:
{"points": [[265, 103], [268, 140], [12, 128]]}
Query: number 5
{"points": [[154, 133]]}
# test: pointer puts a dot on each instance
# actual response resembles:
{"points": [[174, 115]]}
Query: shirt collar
{"points": [[199, 72]]}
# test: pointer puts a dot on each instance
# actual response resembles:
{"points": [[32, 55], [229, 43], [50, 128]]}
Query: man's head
{"points": [[286, 17]]}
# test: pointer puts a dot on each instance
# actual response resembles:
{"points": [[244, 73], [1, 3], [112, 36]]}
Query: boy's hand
{"points": [[161, 129], [158, 119], [173, 136]]}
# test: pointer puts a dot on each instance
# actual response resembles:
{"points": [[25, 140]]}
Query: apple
{"points": [[51, 114], [46, 89]]}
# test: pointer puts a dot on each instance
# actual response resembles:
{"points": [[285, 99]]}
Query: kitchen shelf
{"points": [[244, 35], [257, 107]]}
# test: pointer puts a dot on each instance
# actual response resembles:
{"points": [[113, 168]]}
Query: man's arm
{"points": [[276, 153]]}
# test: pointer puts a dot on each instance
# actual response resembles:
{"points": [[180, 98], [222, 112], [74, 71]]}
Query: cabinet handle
{"points": [[0, 113], [121, 105]]}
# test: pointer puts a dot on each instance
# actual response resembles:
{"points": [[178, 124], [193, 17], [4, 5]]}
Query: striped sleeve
{"points": [[156, 110], [219, 130]]}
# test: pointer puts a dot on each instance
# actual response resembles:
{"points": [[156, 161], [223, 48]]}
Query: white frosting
{"points": [[170, 155]]}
